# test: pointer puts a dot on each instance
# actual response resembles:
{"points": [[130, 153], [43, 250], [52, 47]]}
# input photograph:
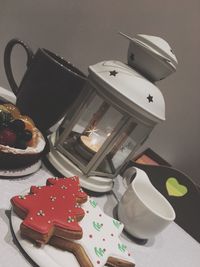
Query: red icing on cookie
{"points": [[55, 204]]}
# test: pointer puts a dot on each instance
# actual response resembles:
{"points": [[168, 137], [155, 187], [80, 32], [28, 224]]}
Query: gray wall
{"points": [[85, 32]]}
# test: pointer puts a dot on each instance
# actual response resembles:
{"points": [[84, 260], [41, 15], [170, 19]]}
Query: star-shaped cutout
{"points": [[150, 98], [113, 73]]}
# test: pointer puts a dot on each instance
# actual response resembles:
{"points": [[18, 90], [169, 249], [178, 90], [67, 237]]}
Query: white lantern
{"points": [[114, 114]]}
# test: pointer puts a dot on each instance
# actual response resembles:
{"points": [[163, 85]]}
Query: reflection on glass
{"points": [[126, 143], [95, 125]]}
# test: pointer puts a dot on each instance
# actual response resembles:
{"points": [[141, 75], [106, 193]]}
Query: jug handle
{"points": [[7, 61], [130, 174], [133, 173]]}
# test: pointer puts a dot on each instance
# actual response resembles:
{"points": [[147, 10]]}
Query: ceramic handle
{"points": [[7, 61], [129, 175]]}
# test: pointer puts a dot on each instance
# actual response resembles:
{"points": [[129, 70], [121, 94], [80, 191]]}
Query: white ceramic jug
{"points": [[143, 210]]}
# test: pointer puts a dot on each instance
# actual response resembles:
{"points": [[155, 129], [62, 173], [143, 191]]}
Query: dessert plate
{"points": [[20, 172], [46, 255]]}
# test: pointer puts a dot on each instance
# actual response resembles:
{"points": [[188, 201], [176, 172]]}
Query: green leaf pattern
{"points": [[99, 252], [122, 247], [93, 203], [97, 226], [116, 223]]}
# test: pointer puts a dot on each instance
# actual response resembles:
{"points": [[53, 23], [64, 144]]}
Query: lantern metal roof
{"points": [[129, 87], [132, 85]]}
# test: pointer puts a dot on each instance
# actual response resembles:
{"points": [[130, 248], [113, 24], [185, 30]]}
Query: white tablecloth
{"points": [[171, 248]]}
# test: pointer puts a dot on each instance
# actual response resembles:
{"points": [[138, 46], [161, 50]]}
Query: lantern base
{"points": [[67, 168]]}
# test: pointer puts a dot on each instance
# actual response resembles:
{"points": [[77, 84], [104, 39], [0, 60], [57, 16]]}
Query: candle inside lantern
{"points": [[91, 143], [94, 140]]}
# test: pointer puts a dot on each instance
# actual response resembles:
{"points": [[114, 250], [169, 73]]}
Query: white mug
{"points": [[143, 210]]}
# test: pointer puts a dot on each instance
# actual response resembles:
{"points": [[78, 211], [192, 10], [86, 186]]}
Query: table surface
{"points": [[171, 248]]}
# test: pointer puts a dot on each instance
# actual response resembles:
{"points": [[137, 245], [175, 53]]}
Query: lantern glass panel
{"points": [[127, 142], [95, 125]]}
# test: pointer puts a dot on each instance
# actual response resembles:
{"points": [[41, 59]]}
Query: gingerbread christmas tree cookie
{"points": [[101, 244], [51, 210]]}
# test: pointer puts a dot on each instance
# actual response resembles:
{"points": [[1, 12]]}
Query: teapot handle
{"points": [[7, 61]]}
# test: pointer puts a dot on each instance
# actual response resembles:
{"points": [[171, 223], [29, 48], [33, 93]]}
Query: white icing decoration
{"points": [[64, 187], [53, 198], [73, 178], [70, 219], [22, 197], [101, 244], [40, 213]]}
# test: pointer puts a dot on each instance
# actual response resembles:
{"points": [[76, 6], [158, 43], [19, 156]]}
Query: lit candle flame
{"points": [[92, 131]]}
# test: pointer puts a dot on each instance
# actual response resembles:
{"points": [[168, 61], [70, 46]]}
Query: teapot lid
{"points": [[151, 55]]}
